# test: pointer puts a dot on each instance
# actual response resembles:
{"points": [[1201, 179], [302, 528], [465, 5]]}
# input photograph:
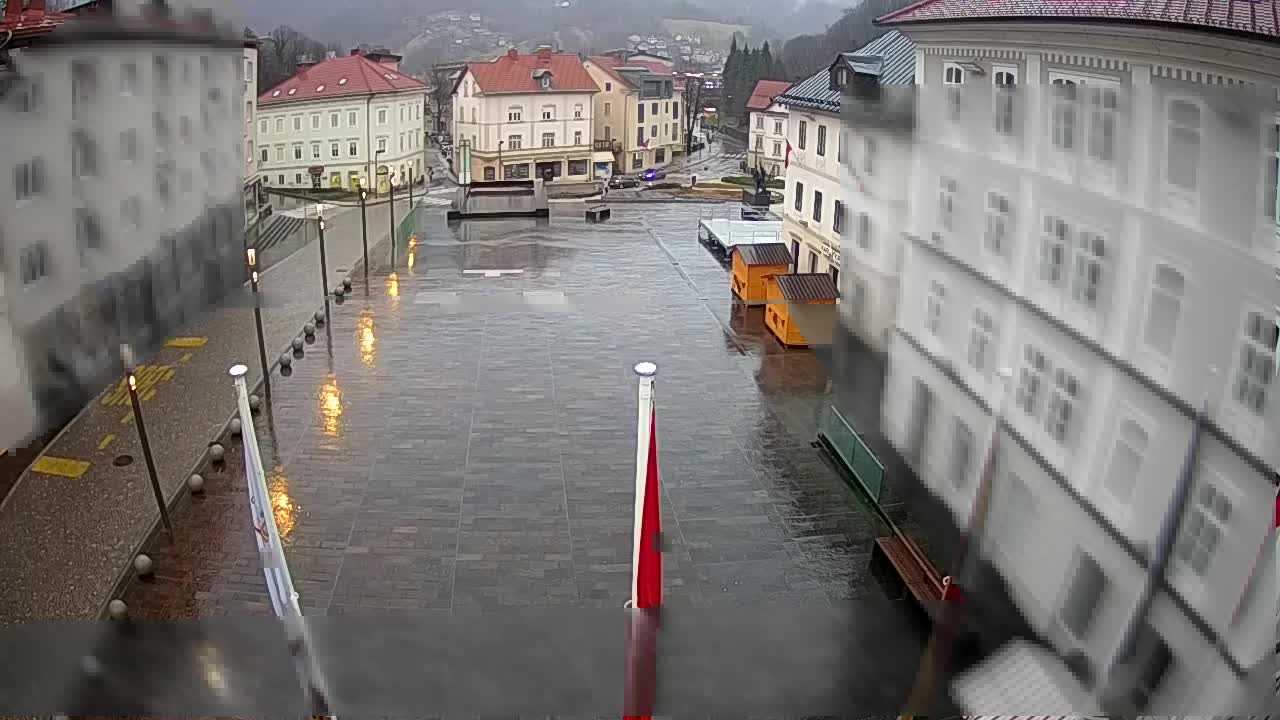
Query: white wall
{"points": [[395, 120], [766, 146]]}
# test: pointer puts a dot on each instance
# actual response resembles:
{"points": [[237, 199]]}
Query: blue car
{"points": [[653, 174]]}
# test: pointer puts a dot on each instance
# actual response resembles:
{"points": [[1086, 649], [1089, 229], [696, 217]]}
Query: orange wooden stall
{"points": [[800, 299], [752, 264]]}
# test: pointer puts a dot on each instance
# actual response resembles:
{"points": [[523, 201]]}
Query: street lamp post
{"points": [[376, 169], [252, 257], [324, 263], [131, 379], [364, 232]]}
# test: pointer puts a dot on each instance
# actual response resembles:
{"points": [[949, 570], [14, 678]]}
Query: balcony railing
{"points": [[606, 145]]}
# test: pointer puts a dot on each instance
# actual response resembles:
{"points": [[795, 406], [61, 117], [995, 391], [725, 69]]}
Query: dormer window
{"points": [[842, 77], [545, 82]]}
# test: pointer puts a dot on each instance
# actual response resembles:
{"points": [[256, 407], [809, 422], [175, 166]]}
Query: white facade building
{"points": [[254, 198], [343, 121], [767, 139], [638, 114], [123, 185], [526, 116], [846, 185], [1100, 219]]}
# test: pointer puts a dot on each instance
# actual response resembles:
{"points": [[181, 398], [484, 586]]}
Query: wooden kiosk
{"points": [[752, 264], [801, 301]]}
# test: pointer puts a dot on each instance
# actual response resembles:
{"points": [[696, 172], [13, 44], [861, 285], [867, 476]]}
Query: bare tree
{"points": [[692, 93]]}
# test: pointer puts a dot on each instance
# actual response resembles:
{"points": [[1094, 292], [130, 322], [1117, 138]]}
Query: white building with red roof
{"points": [[525, 116], [1091, 204], [638, 111], [767, 144], [342, 121]]}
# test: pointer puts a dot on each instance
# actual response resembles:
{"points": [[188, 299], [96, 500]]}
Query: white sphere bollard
{"points": [[346, 283], [298, 343], [255, 402], [339, 292], [118, 610], [143, 565], [217, 452], [319, 317], [286, 359], [309, 329], [195, 484], [236, 427]]}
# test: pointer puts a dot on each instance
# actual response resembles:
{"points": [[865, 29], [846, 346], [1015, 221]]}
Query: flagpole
{"points": [[939, 646], [644, 426], [1159, 561]]}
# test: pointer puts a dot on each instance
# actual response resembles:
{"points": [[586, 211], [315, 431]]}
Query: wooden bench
{"points": [[913, 570], [598, 213]]}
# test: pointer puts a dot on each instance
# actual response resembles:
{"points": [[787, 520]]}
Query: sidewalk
{"points": [[74, 520]]}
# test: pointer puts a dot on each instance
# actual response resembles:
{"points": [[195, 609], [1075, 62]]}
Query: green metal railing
{"points": [[853, 452]]}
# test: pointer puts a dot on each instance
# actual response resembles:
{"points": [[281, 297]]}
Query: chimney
{"points": [[544, 53], [513, 53]]}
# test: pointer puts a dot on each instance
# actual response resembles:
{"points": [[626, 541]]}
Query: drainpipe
{"points": [[368, 139]]}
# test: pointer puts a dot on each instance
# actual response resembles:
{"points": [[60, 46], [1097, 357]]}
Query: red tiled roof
{"points": [[514, 73], [606, 63], [653, 66], [766, 90], [28, 22], [350, 75], [1253, 17]]}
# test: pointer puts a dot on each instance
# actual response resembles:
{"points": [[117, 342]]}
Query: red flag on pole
{"points": [[646, 560], [786, 161]]}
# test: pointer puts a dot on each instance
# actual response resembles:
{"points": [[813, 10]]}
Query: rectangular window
{"points": [[280, 154], [265, 155], [946, 203], [999, 222], [334, 119], [577, 139], [777, 127], [353, 148], [1084, 595], [352, 119], [962, 452], [28, 179], [490, 174], [35, 263], [1103, 102], [637, 161], [315, 151], [653, 108], [802, 135], [759, 122], [640, 112], [577, 167], [675, 110], [982, 331], [1256, 367], [1062, 402], [577, 113], [297, 151], [608, 109], [837, 218], [548, 113], [660, 155], [297, 123], [334, 149], [799, 201], [548, 140], [813, 261], [515, 114], [1012, 515], [817, 206], [382, 116], [1203, 527], [1184, 145], [653, 132], [777, 148], [759, 142], [640, 136], [822, 141], [382, 144], [934, 307], [514, 142], [1126, 460], [1271, 173], [868, 155], [1064, 114], [88, 233], [864, 231], [315, 121], [1088, 258], [279, 125], [1006, 83], [262, 127], [1053, 248], [1031, 381], [129, 146]]}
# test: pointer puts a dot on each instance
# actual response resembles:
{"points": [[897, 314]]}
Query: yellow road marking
{"points": [[62, 467], [127, 419], [187, 342], [148, 377], [186, 357], [150, 393], [106, 441]]}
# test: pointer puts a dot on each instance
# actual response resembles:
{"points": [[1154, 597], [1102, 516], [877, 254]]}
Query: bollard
{"points": [[286, 359], [143, 565], [339, 291], [126, 354], [298, 343], [309, 329], [118, 611], [235, 427], [195, 484], [320, 317], [217, 453], [255, 402]]}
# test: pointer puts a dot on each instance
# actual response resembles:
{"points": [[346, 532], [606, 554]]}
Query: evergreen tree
{"points": [[768, 67]]}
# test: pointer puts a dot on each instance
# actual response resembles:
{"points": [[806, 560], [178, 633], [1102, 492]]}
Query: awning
{"points": [[602, 156]]}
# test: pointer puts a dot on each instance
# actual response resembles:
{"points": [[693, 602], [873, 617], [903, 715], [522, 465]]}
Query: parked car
{"points": [[617, 182], [653, 174]]}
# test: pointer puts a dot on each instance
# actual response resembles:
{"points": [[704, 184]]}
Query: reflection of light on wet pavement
{"points": [[213, 675], [368, 341], [282, 506], [393, 285], [331, 405], [412, 255]]}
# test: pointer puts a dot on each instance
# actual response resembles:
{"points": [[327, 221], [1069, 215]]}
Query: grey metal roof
{"points": [[764, 254], [807, 287], [897, 66]]}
